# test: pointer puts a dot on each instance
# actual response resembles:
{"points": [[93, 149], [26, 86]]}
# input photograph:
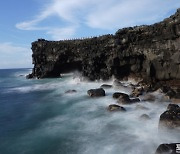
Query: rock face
{"points": [[152, 51]]}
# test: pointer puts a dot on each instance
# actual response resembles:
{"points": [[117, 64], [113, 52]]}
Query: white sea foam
{"points": [[35, 87], [91, 128], [22, 73]]}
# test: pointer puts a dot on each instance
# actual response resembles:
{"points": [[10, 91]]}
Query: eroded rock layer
{"points": [[152, 51]]}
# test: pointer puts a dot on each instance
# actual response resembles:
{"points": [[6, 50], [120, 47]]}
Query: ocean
{"points": [[38, 117]]}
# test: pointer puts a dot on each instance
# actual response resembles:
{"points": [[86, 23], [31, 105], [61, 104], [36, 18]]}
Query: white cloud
{"points": [[101, 14], [13, 56], [62, 33]]}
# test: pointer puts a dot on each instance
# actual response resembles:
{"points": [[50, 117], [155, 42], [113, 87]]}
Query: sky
{"points": [[24, 21]]}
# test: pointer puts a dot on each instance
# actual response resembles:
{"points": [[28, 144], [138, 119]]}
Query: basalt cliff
{"points": [[150, 51]]}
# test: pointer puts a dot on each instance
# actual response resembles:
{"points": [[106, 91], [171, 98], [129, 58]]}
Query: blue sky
{"points": [[24, 21]]}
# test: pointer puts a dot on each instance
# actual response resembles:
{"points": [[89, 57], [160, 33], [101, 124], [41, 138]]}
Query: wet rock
{"points": [[70, 91], [96, 92], [127, 100], [144, 117], [173, 148], [171, 93], [137, 92], [124, 100], [117, 95], [106, 86], [114, 107], [170, 119], [29, 76], [172, 107], [134, 100], [164, 89]]}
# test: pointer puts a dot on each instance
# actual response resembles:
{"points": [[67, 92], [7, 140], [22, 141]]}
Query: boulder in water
{"points": [[137, 92], [114, 107], [127, 100], [29, 76], [173, 148], [171, 118], [117, 95], [96, 92]]}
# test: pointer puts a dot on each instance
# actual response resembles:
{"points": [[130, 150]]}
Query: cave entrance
{"points": [[69, 67], [121, 71], [58, 68], [116, 61]]}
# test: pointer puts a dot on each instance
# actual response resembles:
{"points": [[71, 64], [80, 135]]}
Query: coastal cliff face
{"points": [[153, 52]]}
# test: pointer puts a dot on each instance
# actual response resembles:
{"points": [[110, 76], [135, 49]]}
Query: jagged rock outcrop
{"points": [[153, 52]]}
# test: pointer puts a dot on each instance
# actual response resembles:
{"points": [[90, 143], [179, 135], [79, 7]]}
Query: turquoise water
{"points": [[37, 117]]}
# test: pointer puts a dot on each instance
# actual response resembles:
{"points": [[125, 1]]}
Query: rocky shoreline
{"points": [[169, 120], [149, 54]]}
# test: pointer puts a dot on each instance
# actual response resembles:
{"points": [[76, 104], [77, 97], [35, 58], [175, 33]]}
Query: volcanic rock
{"points": [[170, 119], [151, 52], [114, 107], [117, 95], [173, 148], [96, 92]]}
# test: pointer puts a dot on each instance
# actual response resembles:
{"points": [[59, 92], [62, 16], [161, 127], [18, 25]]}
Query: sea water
{"points": [[38, 117]]}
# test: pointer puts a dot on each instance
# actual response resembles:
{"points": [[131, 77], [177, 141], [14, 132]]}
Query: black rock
{"points": [[29, 76], [137, 92], [172, 107], [170, 119], [135, 100], [114, 107], [127, 100], [117, 95], [96, 92], [173, 148]]}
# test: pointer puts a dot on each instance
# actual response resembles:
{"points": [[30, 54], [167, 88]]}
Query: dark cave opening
{"points": [[69, 67], [121, 71], [64, 68]]}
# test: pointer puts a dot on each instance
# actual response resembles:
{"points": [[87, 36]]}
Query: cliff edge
{"points": [[151, 51]]}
